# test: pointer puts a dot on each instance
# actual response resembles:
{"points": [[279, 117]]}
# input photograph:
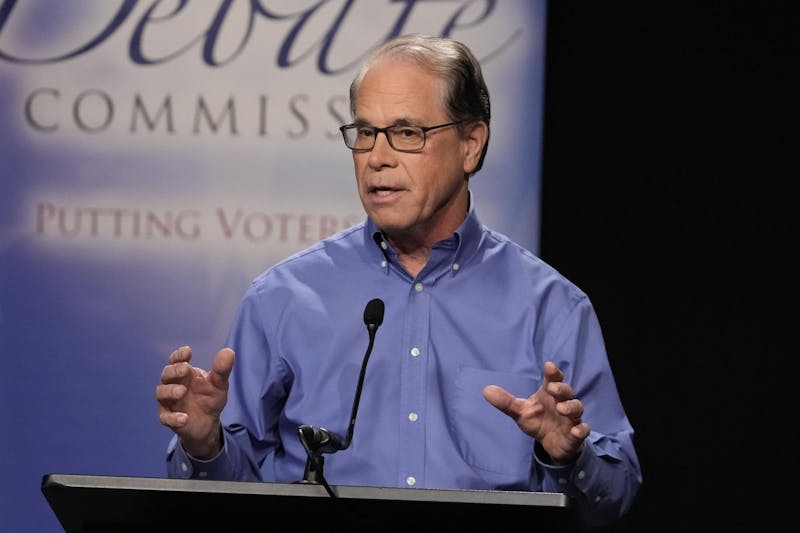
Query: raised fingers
{"points": [[168, 397], [175, 372], [182, 354], [170, 392], [172, 419], [500, 398], [580, 431], [221, 368], [560, 390], [552, 373], [571, 408]]}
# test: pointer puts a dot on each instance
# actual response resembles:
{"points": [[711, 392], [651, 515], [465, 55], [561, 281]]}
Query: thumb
{"points": [[221, 368], [500, 398]]}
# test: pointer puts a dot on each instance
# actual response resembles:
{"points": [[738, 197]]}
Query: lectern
{"points": [[109, 504]]}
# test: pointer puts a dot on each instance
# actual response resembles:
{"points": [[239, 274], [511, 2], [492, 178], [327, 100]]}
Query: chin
{"points": [[388, 225]]}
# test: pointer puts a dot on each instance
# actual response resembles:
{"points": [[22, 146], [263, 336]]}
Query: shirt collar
{"points": [[466, 239]]}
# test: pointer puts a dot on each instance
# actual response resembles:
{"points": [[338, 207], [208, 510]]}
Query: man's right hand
{"points": [[190, 400]]}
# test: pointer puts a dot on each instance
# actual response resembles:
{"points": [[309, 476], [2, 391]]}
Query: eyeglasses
{"points": [[403, 138]]}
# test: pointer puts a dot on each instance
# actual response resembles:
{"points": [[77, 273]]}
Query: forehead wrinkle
{"points": [[400, 107]]}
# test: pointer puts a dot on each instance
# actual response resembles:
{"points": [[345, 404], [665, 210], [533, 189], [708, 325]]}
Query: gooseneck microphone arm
{"points": [[372, 320], [319, 441]]}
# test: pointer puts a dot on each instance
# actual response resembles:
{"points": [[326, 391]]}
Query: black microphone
{"points": [[319, 441], [373, 314]]}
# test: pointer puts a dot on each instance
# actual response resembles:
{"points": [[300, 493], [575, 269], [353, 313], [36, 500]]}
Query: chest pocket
{"points": [[487, 438]]}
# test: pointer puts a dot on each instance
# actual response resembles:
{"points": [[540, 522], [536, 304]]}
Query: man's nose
{"points": [[386, 142], [382, 153]]}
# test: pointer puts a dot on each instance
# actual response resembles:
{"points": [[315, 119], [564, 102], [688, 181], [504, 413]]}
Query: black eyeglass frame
{"points": [[376, 131]]}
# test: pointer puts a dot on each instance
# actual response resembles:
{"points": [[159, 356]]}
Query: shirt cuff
{"points": [[578, 479], [181, 465]]}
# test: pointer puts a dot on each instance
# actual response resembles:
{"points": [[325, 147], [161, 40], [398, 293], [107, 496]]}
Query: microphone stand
{"points": [[319, 441], [314, 445]]}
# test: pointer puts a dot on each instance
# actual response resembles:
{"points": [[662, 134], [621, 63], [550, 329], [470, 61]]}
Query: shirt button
{"points": [[184, 467], [383, 264], [456, 266], [597, 499], [410, 481], [383, 245], [413, 417], [562, 480], [418, 287], [203, 474], [581, 474], [415, 351]]}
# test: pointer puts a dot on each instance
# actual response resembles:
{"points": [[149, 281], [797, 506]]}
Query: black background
{"points": [[668, 194]]}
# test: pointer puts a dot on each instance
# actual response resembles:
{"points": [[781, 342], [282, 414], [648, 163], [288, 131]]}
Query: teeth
{"points": [[383, 192]]}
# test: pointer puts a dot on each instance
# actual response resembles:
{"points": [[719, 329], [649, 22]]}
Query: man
{"points": [[489, 370]]}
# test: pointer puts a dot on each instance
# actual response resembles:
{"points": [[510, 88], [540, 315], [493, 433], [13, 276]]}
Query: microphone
{"points": [[319, 441], [373, 314]]}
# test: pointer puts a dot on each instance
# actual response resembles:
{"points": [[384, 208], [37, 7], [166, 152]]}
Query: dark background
{"points": [[668, 191]]}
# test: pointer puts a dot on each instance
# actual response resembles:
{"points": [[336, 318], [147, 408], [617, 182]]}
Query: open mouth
{"points": [[382, 191]]}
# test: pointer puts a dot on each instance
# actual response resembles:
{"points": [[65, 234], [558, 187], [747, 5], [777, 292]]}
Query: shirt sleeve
{"points": [[604, 479], [249, 420]]}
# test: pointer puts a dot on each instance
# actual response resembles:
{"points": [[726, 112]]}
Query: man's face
{"points": [[416, 195]]}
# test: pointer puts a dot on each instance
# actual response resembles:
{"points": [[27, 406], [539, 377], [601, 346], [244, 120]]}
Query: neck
{"points": [[414, 246]]}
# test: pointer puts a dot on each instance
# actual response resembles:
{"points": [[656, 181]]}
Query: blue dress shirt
{"points": [[483, 311]]}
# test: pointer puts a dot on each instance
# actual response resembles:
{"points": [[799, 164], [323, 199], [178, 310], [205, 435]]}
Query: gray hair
{"points": [[465, 98]]}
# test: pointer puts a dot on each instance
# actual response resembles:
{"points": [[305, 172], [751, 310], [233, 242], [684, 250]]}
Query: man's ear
{"points": [[475, 138]]}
